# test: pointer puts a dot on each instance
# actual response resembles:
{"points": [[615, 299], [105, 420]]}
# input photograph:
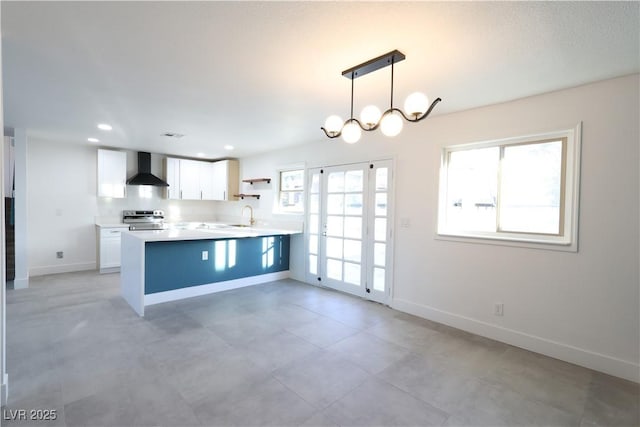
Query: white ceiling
{"points": [[264, 75]]}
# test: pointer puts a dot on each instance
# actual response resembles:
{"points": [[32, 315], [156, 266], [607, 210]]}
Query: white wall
{"points": [[8, 165], [582, 307], [21, 279], [4, 379], [61, 205]]}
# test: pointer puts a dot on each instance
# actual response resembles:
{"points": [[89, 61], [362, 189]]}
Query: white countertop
{"points": [[224, 232]]}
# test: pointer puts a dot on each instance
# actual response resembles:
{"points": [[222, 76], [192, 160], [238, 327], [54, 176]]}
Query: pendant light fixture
{"points": [[390, 121]]}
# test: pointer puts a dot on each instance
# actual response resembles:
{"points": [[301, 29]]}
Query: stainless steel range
{"points": [[144, 220]]}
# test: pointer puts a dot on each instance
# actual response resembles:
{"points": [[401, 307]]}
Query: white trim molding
{"points": [[568, 353], [210, 288], [22, 283], [64, 268]]}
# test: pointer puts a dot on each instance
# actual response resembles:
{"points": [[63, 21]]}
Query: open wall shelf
{"points": [[254, 180], [242, 196]]}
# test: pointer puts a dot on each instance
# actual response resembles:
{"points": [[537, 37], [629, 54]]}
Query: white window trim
{"points": [[276, 199], [568, 242]]}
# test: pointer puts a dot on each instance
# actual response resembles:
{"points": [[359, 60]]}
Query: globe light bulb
{"points": [[416, 104], [333, 124], [351, 133], [370, 116], [391, 124]]}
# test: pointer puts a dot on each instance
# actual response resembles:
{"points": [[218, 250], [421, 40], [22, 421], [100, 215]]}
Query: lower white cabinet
{"points": [[109, 248]]}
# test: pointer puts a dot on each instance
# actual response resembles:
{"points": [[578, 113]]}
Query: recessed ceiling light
{"points": [[228, 147], [104, 126], [93, 140], [200, 154]]}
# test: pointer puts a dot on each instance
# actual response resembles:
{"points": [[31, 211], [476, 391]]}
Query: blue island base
{"points": [[160, 271]]}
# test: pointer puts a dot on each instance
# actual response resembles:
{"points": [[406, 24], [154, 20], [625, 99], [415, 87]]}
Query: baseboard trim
{"points": [[20, 283], [568, 353], [210, 288], [64, 268]]}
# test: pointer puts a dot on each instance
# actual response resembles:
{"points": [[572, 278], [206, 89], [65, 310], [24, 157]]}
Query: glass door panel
{"points": [[342, 214], [349, 232], [313, 228], [380, 222]]}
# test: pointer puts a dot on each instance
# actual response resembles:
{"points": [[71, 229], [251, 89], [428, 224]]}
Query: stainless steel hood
{"points": [[144, 175]]}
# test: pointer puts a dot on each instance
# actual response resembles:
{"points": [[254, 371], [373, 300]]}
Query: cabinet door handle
{"points": [[224, 195], [181, 194], [200, 194]]}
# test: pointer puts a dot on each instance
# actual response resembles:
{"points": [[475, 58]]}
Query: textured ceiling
{"points": [[264, 75]]}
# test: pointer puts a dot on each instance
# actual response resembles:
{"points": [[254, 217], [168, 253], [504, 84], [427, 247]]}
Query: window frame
{"points": [[567, 239], [277, 208]]}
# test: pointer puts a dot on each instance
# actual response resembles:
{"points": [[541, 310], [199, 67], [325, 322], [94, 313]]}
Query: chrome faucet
{"points": [[252, 220]]}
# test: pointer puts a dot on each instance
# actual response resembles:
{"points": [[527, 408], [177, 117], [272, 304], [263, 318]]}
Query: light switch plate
{"points": [[205, 255]]}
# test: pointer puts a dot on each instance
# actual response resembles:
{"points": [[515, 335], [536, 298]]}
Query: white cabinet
{"points": [[109, 248], [190, 180], [172, 176], [112, 173], [225, 179], [206, 174], [199, 180]]}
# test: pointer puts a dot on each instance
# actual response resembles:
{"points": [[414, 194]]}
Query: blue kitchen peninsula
{"points": [[168, 265]]}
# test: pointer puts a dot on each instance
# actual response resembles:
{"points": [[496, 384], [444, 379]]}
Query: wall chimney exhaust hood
{"points": [[144, 176]]}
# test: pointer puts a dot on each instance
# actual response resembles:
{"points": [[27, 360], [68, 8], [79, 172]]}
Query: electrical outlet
{"points": [[498, 309], [59, 254], [405, 222], [205, 255]]}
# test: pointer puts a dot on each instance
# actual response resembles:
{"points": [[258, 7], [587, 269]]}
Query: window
{"points": [[291, 197], [519, 189]]}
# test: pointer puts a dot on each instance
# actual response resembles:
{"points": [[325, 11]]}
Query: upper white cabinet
{"points": [[190, 180], [225, 179], [206, 175], [172, 176], [199, 180], [112, 173]]}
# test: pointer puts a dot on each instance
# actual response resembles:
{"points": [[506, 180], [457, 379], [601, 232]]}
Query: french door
{"points": [[348, 238]]}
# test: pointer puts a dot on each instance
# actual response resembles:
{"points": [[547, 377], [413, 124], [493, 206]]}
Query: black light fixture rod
{"points": [[374, 64], [391, 103], [352, 79]]}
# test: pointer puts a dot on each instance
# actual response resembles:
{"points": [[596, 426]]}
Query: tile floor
{"points": [[282, 353]]}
